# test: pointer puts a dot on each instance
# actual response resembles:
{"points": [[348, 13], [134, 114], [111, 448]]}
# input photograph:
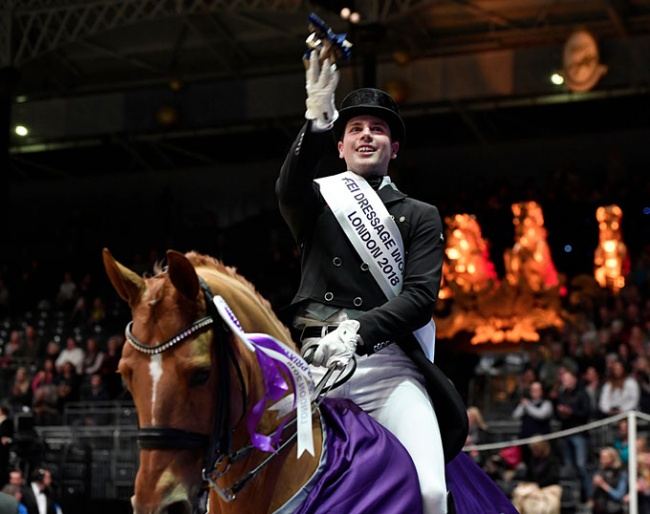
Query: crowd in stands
{"points": [[594, 368]]}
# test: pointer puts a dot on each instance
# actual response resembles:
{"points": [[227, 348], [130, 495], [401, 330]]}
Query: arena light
{"points": [[557, 79], [350, 15], [21, 130]]}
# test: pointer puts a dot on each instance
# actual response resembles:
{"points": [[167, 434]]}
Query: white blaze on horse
{"points": [[203, 395]]}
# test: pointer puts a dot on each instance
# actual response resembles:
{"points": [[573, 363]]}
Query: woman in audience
{"points": [[641, 372], [620, 441], [45, 402], [68, 385], [609, 483], [44, 375], [21, 390], [620, 393], [92, 361]]}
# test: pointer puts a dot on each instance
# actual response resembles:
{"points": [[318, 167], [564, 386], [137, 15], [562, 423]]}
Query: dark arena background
{"points": [[147, 125]]}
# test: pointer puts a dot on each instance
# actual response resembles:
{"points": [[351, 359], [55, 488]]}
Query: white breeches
{"points": [[389, 387]]}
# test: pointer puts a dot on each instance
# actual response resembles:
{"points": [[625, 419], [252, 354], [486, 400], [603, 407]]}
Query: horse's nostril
{"points": [[182, 507]]}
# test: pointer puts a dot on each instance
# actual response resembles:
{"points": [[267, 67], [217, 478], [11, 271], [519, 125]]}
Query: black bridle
{"points": [[219, 442]]}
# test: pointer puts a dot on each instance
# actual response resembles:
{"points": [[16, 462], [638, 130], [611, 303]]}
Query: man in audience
{"points": [[572, 408], [71, 353], [37, 496]]}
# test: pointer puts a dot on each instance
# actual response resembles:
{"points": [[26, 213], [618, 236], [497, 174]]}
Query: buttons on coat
{"points": [[380, 346], [329, 296], [357, 301], [297, 149], [337, 261]]}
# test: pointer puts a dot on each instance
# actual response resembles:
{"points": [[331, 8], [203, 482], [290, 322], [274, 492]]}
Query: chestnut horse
{"points": [[196, 386]]}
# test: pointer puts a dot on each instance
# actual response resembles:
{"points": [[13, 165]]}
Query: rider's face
{"points": [[366, 146]]}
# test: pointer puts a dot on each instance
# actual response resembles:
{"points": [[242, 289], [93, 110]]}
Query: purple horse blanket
{"points": [[368, 470]]}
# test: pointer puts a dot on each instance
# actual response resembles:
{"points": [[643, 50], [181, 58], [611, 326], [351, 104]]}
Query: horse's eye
{"points": [[199, 377]]}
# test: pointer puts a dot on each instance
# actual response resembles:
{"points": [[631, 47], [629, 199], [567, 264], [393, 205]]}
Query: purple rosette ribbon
{"points": [[274, 358]]}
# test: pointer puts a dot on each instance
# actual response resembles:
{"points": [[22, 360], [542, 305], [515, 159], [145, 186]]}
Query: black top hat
{"points": [[375, 103]]}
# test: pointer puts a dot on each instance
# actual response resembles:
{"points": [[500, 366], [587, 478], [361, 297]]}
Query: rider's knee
{"points": [[434, 497]]}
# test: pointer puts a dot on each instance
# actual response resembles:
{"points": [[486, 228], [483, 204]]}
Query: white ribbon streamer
{"points": [[289, 360]]}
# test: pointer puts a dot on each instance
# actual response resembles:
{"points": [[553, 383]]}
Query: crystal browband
{"points": [[198, 325]]}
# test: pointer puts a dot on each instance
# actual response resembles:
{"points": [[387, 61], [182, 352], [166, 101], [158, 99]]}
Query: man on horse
{"points": [[371, 271]]}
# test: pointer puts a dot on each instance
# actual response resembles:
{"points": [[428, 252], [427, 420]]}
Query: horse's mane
{"points": [[199, 260]]}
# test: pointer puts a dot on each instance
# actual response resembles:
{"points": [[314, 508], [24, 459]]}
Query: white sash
{"points": [[375, 236]]}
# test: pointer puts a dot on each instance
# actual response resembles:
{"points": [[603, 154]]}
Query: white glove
{"points": [[321, 86], [337, 348]]}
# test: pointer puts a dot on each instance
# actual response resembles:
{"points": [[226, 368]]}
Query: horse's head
{"points": [[177, 363]]}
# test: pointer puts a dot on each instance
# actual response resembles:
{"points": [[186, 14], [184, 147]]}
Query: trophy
{"points": [[322, 38]]}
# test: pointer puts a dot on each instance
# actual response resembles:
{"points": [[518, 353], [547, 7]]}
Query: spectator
{"points": [[593, 388], [13, 350], [572, 409], [6, 440], [620, 393], [68, 385], [21, 390], [8, 503], [110, 362], [92, 361], [535, 412], [590, 357], [32, 345], [637, 340], [522, 384], [66, 295], [16, 477], [549, 368], [52, 351], [541, 490], [477, 433], [16, 492], [620, 441], [44, 375], [625, 355], [71, 353], [641, 372], [95, 391], [45, 400], [643, 476], [97, 312], [39, 492], [609, 483], [5, 297]]}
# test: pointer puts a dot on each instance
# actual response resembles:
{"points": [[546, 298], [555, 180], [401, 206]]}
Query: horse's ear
{"points": [[128, 284], [182, 274]]}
